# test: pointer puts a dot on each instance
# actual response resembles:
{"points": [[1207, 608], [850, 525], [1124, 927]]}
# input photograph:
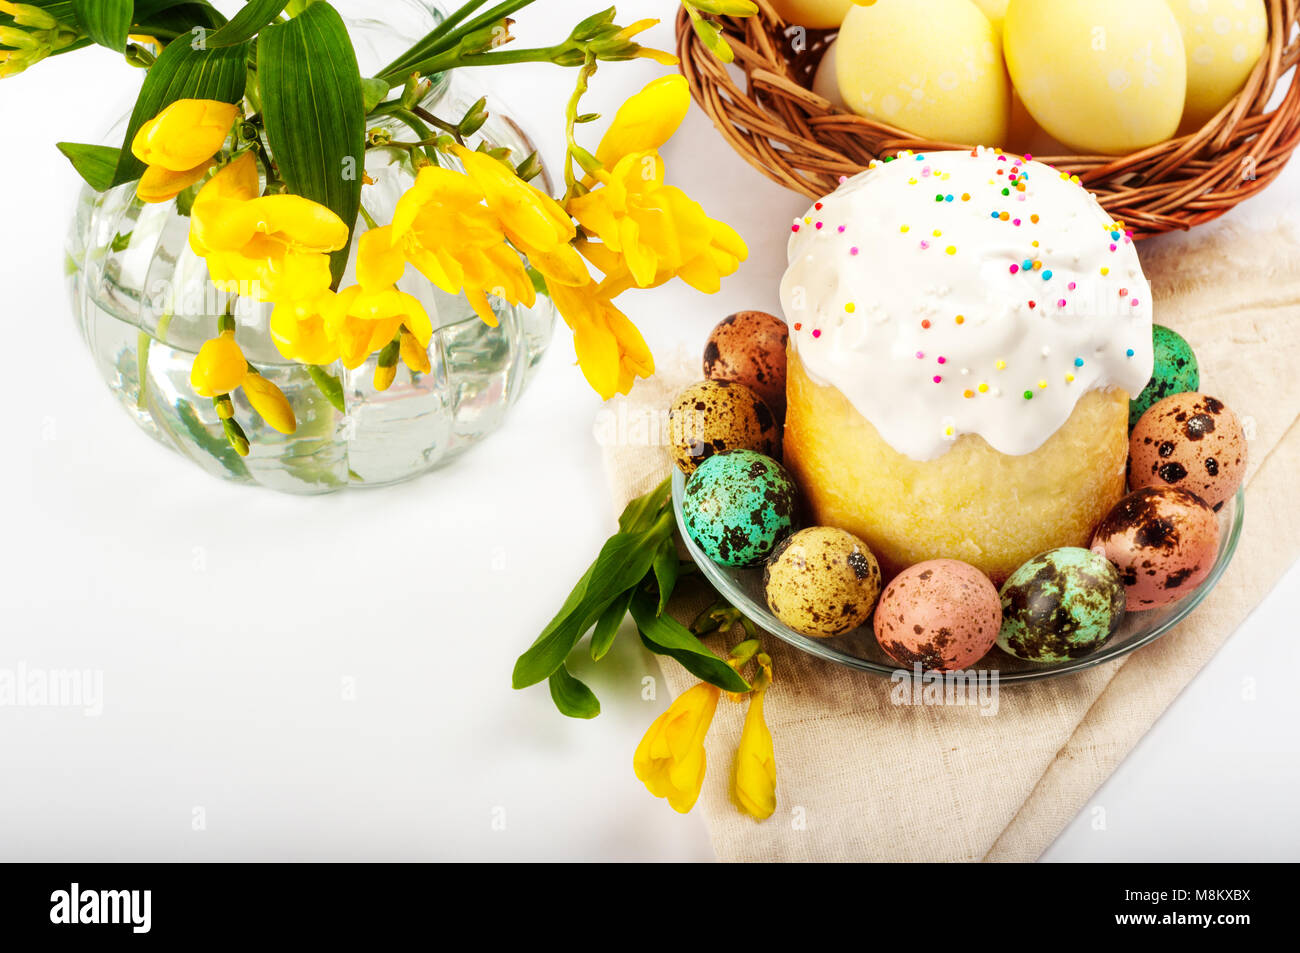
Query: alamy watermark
{"points": [[27, 686], [978, 687]]}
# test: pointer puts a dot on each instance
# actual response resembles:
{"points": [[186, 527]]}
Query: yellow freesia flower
{"points": [[367, 316], [273, 247], [670, 760], [270, 403], [219, 367], [658, 230], [611, 351], [178, 144], [300, 331], [754, 783], [443, 228], [365, 321], [533, 221], [646, 120]]}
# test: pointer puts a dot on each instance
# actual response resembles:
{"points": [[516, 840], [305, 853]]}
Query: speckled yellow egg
{"points": [[1102, 76], [1224, 39], [931, 67], [822, 582], [713, 416], [818, 14]]}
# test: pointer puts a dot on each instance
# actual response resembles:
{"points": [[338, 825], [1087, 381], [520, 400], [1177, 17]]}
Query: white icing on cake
{"points": [[881, 271]]}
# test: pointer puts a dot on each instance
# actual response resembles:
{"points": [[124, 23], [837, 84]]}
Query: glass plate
{"points": [[743, 588]]}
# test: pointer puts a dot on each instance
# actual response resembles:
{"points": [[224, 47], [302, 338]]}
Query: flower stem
{"points": [[447, 33], [570, 124]]}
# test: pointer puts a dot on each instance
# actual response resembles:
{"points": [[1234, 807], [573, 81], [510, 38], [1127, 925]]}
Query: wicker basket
{"points": [[801, 141]]}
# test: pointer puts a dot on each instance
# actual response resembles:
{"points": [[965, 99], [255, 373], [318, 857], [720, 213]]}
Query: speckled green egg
{"points": [[1060, 605], [738, 505], [713, 416], [822, 581], [1175, 372]]}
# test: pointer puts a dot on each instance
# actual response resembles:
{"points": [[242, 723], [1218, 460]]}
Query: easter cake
{"points": [[966, 331]]}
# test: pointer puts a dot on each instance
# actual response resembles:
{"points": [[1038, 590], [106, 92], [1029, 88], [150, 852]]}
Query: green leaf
{"points": [[622, 564], [314, 111], [644, 510], [571, 696], [95, 164], [107, 21], [602, 637], [166, 18], [329, 385], [244, 25], [664, 635], [181, 72], [666, 566]]}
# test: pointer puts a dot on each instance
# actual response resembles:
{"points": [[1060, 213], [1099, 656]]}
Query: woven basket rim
{"points": [[763, 106]]}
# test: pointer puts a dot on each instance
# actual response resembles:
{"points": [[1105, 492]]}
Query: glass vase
{"points": [[144, 305]]}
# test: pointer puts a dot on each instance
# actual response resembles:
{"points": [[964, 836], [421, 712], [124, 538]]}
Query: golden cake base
{"points": [[975, 504]]}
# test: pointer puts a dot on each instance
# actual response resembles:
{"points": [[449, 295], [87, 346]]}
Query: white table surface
{"points": [[230, 623]]}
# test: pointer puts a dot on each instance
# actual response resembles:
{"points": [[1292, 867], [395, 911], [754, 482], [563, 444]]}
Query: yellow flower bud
{"points": [[270, 403], [25, 14], [20, 39], [219, 367], [754, 783], [670, 760], [414, 354], [185, 134], [647, 120], [384, 375]]}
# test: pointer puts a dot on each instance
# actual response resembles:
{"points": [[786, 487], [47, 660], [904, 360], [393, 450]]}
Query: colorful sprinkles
{"points": [[1012, 179]]}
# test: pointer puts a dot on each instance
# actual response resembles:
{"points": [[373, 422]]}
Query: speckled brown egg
{"points": [[942, 613], [713, 416], [1163, 540], [749, 348], [822, 581], [1191, 441]]}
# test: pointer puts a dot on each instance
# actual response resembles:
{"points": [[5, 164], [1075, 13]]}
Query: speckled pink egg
{"points": [[748, 348], [1191, 441], [1163, 540], [943, 613]]}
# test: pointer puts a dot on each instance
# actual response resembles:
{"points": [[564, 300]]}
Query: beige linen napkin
{"points": [[860, 778]]}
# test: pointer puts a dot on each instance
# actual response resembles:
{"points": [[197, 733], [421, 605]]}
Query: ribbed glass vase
{"points": [[144, 304]]}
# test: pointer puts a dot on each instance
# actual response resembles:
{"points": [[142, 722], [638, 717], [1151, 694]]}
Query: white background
{"points": [[227, 619]]}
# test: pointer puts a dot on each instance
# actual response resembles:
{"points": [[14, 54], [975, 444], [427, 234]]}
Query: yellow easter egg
{"points": [[1105, 76], [995, 10], [931, 67], [1224, 39], [818, 14]]}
